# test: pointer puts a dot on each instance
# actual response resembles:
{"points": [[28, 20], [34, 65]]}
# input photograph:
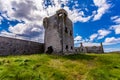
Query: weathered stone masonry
{"points": [[58, 33], [10, 46]]}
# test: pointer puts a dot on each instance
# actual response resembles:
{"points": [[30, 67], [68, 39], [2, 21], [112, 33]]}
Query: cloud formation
{"points": [[93, 36], [32, 12], [116, 28], [112, 40], [1, 20], [100, 34], [103, 7], [78, 39]]}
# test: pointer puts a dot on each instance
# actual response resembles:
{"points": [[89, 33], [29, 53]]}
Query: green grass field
{"points": [[53, 67]]}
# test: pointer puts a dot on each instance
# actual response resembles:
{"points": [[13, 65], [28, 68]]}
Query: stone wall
{"points": [[10, 46]]}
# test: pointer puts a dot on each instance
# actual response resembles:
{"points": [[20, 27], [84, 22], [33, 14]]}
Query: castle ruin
{"points": [[89, 49], [58, 33], [58, 39]]}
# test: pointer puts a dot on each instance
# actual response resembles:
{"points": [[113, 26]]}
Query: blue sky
{"points": [[94, 21]]}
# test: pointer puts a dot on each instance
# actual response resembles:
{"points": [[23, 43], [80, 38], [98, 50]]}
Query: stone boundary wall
{"points": [[11, 46]]}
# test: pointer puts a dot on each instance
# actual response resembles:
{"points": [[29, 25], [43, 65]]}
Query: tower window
{"points": [[82, 50], [71, 47], [60, 14], [65, 15], [66, 30], [70, 33], [66, 47]]}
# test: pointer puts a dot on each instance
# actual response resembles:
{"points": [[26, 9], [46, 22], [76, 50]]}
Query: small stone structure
{"points": [[10, 46], [58, 33], [90, 49]]}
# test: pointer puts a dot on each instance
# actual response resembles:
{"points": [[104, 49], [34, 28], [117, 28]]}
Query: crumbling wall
{"points": [[94, 49], [10, 46]]}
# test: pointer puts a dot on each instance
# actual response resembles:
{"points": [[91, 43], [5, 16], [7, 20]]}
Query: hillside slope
{"points": [[53, 67]]}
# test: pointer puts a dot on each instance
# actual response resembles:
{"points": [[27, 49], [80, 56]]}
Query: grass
{"points": [[54, 67]]}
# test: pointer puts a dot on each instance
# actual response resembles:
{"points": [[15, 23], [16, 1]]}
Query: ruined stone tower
{"points": [[58, 33]]}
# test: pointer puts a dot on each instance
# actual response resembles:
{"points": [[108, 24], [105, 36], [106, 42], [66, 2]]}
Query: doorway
{"points": [[49, 50]]}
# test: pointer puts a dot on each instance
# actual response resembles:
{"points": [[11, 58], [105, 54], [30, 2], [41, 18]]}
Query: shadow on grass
{"points": [[74, 57]]}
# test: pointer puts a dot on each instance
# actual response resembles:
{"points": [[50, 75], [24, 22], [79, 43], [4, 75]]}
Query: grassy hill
{"points": [[53, 67]]}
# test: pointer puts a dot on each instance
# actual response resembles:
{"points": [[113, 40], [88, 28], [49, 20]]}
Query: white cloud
{"points": [[39, 38], [112, 40], [103, 6], [1, 20], [77, 15], [5, 33], [102, 33], [32, 13], [30, 31], [29, 11], [27, 29], [110, 44], [116, 19], [78, 38], [116, 28], [24, 9], [93, 36]]}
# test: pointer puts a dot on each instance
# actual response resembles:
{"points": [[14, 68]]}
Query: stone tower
{"points": [[58, 33]]}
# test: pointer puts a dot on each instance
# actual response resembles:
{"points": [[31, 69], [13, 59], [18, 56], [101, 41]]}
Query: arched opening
{"points": [[49, 50]]}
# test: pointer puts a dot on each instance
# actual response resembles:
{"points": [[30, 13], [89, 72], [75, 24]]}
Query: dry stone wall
{"points": [[10, 46]]}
